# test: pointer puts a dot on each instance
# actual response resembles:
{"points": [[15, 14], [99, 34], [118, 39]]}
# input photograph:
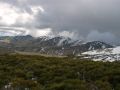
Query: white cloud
{"points": [[36, 9], [66, 34], [73, 35], [10, 15], [40, 32], [13, 31]]}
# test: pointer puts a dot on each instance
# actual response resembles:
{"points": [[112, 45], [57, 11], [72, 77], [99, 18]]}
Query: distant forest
{"points": [[28, 72]]}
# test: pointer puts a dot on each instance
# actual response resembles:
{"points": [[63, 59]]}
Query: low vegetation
{"points": [[28, 72]]}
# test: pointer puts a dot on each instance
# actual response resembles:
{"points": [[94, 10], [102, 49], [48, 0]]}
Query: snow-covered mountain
{"points": [[51, 45], [107, 54], [115, 50]]}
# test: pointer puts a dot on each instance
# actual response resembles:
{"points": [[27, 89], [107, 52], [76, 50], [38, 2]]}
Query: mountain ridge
{"points": [[58, 45]]}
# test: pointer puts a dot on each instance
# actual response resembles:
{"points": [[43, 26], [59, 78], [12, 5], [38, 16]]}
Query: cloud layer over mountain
{"points": [[94, 19]]}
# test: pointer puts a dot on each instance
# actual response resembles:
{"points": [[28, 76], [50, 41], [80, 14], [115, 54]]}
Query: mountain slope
{"points": [[52, 45], [115, 50], [108, 54]]}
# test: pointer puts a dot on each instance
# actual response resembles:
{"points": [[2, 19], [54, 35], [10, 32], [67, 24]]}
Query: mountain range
{"points": [[50, 45], [60, 46]]}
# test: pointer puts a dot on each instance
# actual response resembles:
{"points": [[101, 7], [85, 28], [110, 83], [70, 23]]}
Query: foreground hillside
{"points": [[27, 72]]}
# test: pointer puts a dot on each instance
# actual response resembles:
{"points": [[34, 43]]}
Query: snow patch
{"points": [[108, 54]]}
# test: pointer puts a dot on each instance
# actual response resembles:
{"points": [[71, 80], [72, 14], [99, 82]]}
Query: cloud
{"points": [[40, 32], [67, 17], [13, 31], [11, 15], [72, 35], [67, 34]]}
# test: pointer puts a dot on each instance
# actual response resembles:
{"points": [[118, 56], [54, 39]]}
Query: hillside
{"points": [[107, 54], [50, 45], [32, 72]]}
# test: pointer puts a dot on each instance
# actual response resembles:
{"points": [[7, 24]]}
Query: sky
{"points": [[77, 19]]}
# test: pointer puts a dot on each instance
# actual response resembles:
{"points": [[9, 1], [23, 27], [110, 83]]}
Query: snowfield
{"points": [[108, 51], [108, 54]]}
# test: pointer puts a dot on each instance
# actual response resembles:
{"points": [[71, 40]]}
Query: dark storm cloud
{"points": [[79, 16]]}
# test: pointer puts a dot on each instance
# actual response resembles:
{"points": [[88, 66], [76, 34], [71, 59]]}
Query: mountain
{"points": [[107, 54], [51, 45]]}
